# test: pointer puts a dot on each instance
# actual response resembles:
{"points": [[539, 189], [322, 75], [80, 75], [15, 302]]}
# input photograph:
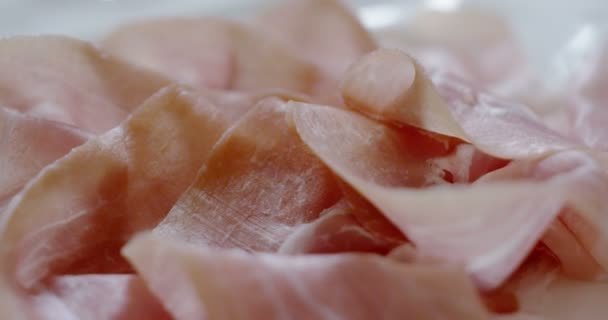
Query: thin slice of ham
{"points": [[489, 234], [311, 29], [542, 290], [390, 85], [259, 183], [338, 230], [473, 43], [95, 297], [27, 144], [71, 81], [77, 213], [214, 53], [266, 286], [580, 235]]}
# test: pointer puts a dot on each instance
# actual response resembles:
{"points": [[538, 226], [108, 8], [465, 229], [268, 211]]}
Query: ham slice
{"points": [[96, 297], [469, 42], [27, 144], [78, 212], [260, 182], [389, 85], [305, 287], [456, 223], [214, 53], [71, 81], [543, 291], [339, 230], [311, 29], [581, 233]]}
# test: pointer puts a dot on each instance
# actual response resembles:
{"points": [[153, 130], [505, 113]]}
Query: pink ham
{"points": [[95, 297], [543, 291], [266, 286], [339, 230], [27, 144], [390, 85], [324, 32], [371, 157], [473, 43], [581, 233], [214, 53], [259, 183], [79, 211], [71, 81]]}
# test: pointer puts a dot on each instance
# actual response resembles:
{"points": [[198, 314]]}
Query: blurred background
{"points": [[542, 26]]}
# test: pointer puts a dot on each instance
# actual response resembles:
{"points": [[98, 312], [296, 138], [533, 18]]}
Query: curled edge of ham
{"points": [[389, 85], [457, 223], [341, 286]]}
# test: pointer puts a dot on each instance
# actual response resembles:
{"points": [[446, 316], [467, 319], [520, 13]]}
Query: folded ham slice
{"points": [[214, 53], [260, 182], [311, 29], [95, 297], [71, 81], [581, 233], [266, 286], [487, 226], [473, 43], [389, 85], [78, 212], [339, 230], [27, 144], [543, 291]]}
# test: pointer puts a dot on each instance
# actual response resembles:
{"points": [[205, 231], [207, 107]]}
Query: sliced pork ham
{"points": [[95, 297], [303, 26], [390, 85], [27, 144], [71, 81], [338, 229], [370, 157], [474, 43], [266, 286], [581, 233], [543, 291], [259, 183], [124, 181], [211, 52]]}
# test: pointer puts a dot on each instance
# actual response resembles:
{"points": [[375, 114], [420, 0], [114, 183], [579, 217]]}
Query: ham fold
{"points": [[346, 286]]}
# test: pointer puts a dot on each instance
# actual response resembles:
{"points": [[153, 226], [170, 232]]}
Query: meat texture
{"points": [[27, 144], [71, 81], [212, 53], [79, 211], [304, 287], [259, 183], [370, 157]]}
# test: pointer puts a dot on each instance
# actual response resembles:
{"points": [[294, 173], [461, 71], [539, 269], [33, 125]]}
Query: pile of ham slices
{"points": [[293, 166]]}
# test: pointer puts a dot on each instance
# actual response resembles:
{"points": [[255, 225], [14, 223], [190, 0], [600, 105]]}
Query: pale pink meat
{"points": [[324, 32], [259, 183], [266, 286], [476, 44], [27, 144], [78, 212], [580, 235], [390, 85], [212, 53], [71, 81], [338, 230], [370, 157], [544, 292], [95, 297]]}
